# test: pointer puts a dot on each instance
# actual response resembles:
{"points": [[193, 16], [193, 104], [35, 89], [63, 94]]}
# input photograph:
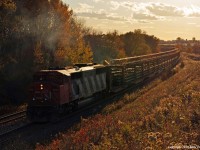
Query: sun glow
{"points": [[165, 19], [191, 10]]}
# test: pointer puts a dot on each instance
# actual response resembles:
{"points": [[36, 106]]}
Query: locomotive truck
{"points": [[58, 90]]}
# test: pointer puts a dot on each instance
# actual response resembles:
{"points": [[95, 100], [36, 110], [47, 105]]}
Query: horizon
{"points": [[167, 21]]}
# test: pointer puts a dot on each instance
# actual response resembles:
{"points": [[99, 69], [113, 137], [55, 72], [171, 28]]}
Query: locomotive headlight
{"points": [[33, 98], [41, 86]]}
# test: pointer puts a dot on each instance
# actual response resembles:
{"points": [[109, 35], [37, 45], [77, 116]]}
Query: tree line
{"points": [[38, 34], [114, 45], [190, 46]]}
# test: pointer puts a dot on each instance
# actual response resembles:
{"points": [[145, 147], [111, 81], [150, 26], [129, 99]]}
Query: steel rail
{"points": [[12, 122], [12, 117]]}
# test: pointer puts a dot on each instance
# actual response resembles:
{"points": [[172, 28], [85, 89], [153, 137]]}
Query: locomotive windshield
{"points": [[39, 78], [58, 79]]}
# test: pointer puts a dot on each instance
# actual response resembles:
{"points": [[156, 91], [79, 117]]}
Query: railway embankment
{"points": [[164, 114]]}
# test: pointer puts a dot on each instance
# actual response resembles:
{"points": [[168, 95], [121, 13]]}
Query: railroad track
{"points": [[12, 117], [12, 122]]}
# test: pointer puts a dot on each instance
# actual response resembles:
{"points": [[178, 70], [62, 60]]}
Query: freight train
{"points": [[58, 90]]}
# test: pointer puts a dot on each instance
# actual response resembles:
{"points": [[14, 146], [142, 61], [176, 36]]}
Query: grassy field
{"points": [[163, 114]]}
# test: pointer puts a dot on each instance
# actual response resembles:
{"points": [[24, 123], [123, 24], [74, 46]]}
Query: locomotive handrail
{"points": [[138, 58]]}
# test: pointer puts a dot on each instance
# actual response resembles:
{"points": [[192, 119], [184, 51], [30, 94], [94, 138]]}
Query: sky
{"points": [[165, 19]]}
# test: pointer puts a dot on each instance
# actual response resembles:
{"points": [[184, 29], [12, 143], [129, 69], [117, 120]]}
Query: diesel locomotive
{"points": [[58, 90]]}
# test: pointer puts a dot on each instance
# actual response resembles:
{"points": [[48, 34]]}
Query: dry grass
{"points": [[161, 115]]}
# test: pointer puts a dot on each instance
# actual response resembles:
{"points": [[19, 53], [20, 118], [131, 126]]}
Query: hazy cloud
{"points": [[144, 21], [128, 5], [174, 16], [97, 1], [140, 16], [191, 23], [160, 9], [195, 14], [101, 15], [84, 8], [192, 11], [114, 5]]}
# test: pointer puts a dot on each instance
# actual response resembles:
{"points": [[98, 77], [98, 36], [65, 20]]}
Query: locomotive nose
{"points": [[41, 92]]}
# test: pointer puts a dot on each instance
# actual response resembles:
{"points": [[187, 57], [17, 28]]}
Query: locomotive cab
{"points": [[49, 90]]}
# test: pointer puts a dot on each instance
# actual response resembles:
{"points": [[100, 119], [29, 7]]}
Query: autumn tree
{"points": [[193, 39], [7, 27], [7, 10], [152, 42], [135, 44], [105, 46], [34, 35], [112, 45]]}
